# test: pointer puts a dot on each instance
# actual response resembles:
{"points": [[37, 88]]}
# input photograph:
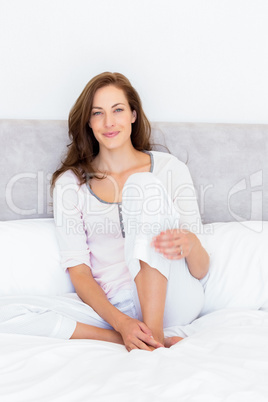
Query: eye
{"points": [[118, 110], [96, 113]]}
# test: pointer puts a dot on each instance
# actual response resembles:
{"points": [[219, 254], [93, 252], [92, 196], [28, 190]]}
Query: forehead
{"points": [[108, 96]]}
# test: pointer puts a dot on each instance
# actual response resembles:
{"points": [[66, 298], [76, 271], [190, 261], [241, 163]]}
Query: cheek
{"points": [[95, 124], [125, 121]]}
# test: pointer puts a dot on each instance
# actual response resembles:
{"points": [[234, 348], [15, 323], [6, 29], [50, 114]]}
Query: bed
{"points": [[224, 353]]}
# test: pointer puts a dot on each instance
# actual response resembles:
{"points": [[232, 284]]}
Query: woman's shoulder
{"points": [[169, 167], [165, 157], [67, 177], [67, 187]]}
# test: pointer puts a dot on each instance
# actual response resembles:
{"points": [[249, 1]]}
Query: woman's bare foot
{"points": [[159, 337], [172, 340], [168, 342]]}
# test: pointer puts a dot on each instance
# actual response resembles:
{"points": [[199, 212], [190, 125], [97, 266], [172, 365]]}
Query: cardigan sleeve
{"points": [[70, 226], [178, 182], [185, 201], [185, 198]]}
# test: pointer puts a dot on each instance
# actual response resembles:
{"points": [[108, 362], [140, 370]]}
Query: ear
{"points": [[134, 116], [89, 125]]}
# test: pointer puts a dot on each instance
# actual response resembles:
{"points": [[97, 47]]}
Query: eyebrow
{"points": [[116, 104]]}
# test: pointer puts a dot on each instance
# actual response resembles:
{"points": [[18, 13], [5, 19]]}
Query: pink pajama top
{"points": [[90, 231]]}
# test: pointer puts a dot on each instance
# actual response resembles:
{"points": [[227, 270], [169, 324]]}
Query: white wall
{"points": [[190, 60]]}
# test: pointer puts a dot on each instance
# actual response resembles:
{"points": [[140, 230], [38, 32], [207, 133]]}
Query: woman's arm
{"points": [[198, 259], [68, 201], [176, 244], [92, 294], [135, 334], [184, 242]]}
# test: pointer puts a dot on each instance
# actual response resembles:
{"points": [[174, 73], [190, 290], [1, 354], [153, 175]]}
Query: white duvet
{"points": [[223, 358]]}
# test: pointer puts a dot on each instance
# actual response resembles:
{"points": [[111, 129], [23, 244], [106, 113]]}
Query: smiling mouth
{"points": [[111, 134]]}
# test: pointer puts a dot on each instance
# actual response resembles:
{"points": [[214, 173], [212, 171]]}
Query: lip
{"points": [[111, 134]]}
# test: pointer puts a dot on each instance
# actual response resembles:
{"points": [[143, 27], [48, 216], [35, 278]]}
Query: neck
{"points": [[116, 160]]}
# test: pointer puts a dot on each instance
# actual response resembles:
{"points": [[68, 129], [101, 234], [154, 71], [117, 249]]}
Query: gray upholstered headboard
{"points": [[228, 163]]}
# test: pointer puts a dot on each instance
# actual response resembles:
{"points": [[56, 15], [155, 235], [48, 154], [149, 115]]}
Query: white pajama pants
{"points": [[147, 210]]}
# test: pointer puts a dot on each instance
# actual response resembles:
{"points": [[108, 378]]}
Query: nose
{"points": [[109, 120]]}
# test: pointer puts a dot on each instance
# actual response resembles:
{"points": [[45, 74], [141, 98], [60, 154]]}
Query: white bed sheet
{"points": [[224, 358]]}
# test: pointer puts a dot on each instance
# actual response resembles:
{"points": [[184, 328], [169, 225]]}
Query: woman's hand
{"points": [[174, 244], [136, 335]]}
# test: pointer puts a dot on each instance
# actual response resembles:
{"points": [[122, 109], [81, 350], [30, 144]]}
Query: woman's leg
{"points": [[59, 317], [91, 326], [151, 287], [165, 293], [85, 331], [20, 317]]}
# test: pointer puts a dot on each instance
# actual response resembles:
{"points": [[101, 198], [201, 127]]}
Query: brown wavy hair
{"points": [[84, 146]]}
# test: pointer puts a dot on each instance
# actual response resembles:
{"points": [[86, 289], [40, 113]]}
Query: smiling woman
{"points": [[108, 120], [143, 277], [85, 147]]}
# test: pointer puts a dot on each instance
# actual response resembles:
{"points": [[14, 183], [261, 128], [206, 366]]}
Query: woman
{"points": [[121, 215]]}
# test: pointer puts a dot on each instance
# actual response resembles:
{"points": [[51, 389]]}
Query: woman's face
{"points": [[111, 118]]}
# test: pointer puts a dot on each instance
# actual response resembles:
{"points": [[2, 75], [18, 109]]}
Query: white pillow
{"points": [[30, 263], [239, 266], [30, 259]]}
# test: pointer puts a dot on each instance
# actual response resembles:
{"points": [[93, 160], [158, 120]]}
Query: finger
{"points": [[155, 344], [163, 238], [137, 344], [149, 340], [147, 337], [166, 243], [175, 253], [144, 328], [178, 250], [141, 345], [171, 250], [174, 257], [170, 234]]}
